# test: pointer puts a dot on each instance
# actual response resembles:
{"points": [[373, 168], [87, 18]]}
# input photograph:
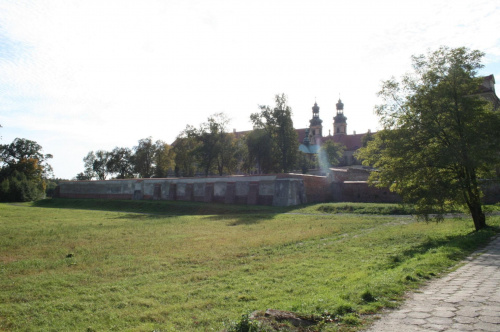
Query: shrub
{"points": [[18, 188]]}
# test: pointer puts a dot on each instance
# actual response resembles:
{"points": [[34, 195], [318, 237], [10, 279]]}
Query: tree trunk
{"points": [[477, 215]]}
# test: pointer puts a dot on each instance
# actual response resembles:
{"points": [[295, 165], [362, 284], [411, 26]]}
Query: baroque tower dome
{"points": [[340, 121]]}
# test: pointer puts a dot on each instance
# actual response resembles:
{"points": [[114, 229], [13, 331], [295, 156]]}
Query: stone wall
{"points": [[278, 190]]}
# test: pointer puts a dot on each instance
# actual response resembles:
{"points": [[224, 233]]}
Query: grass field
{"points": [[89, 265]]}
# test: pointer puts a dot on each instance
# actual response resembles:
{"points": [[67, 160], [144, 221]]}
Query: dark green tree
{"points": [[185, 146], [143, 159], [120, 163], [367, 138], [227, 157], [440, 137], [164, 159], [259, 151], [24, 170], [96, 165], [277, 123], [211, 138]]}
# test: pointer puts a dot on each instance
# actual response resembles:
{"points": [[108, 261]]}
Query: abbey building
{"points": [[312, 138]]}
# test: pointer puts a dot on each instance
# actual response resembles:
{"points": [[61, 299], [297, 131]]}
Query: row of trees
{"points": [[272, 147], [147, 159]]}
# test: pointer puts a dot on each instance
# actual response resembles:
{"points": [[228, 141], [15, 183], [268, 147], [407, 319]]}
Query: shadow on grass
{"points": [[144, 209], [238, 220], [145, 216], [459, 246]]}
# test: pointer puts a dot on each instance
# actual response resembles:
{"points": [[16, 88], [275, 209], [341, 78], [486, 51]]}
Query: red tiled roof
{"points": [[351, 142], [301, 133]]}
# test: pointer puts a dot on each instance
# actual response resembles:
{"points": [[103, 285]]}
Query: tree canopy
{"points": [[146, 160], [23, 171], [330, 154], [278, 125], [440, 136]]}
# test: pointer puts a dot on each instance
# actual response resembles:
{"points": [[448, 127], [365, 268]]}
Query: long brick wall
{"points": [[277, 190]]}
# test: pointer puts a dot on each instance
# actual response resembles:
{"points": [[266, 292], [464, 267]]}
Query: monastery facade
{"points": [[312, 138]]}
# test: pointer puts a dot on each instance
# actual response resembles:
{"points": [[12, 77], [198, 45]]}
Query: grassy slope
{"points": [[209, 265]]}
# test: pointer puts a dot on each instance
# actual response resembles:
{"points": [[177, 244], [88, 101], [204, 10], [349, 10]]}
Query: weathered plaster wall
{"points": [[279, 190]]}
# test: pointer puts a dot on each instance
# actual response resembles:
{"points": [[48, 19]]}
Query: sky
{"points": [[79, 76]]}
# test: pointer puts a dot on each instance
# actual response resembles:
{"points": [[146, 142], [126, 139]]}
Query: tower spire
{"points": [[340, 121], [315, 126]]}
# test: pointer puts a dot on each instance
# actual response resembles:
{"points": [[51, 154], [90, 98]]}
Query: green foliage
{"points": [[244, 325], [18, 188], [330, 154], [23, 171], [164, 159], [185, 156], [364, 208], [278, 126], [120, 163], [367, 138], [228, 157], [210, 148], [439, 135], [260, 150], [306, 162], [143, 159], [50, 186], [147, 160]]}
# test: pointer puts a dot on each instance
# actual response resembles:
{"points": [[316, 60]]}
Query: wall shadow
{"points": [[149, 209]]}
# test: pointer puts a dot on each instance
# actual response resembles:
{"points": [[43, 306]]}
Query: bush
{"points": [[18, 188]]}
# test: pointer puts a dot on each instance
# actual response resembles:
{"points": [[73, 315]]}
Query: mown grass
{"points": [[66, 267], [182, 208]]}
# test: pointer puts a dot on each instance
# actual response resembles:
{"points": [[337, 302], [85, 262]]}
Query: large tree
{"points": [[184, 148], [143, 158], [120, 163], [439, 138], [259, 151], [164, 159], [23, 170], [227, 157], [210, 135], [96, 165], [277, 123]]}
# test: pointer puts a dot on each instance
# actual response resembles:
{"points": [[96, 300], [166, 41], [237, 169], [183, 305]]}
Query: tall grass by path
{"points": [[66, 269]]}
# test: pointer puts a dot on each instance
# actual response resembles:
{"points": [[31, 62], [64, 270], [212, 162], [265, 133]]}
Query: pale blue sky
{"points": [[77, 76]]}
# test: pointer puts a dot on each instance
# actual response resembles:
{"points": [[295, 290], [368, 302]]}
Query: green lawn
{"points": [[82, 265]]}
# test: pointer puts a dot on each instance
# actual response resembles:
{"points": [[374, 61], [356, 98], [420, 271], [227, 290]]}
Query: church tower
{"points": [[339, 121], [315, 126]]}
